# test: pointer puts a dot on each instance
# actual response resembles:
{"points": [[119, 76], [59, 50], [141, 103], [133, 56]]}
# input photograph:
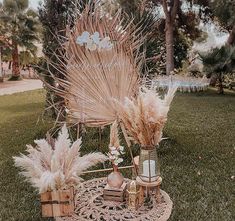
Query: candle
{"points": [[149, 166]]}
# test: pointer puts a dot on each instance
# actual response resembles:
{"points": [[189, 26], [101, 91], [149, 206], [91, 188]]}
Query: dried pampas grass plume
{"points": [[145, 116], [53, 168], [115, 150], [114, 135]]}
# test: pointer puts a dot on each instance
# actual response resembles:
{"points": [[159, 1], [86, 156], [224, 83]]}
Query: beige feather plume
{"points": [[114, 135], [145, 116], [59, 168]]}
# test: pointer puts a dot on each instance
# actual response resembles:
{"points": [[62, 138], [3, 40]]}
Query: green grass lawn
{"points": [[197, 162]]}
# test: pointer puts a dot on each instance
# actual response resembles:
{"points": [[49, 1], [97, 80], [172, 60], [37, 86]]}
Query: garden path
{"points": [[11, 87]]}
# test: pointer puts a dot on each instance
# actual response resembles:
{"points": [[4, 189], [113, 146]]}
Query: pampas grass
{"points": [[114, 135], [53, 167], [145, 116], [115, 150]]}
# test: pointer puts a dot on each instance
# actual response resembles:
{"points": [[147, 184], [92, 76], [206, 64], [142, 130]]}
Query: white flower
{"points": [[111, 157], [67, 110], [115, 152], [119, 160], [93, 42], [105, 44], [121, 148], [96, 37], [91, 45], [82, 39], [112, 148]]}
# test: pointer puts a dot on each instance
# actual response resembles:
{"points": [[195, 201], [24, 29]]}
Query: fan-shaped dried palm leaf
{"points": [[48, 168], [94, 77]]}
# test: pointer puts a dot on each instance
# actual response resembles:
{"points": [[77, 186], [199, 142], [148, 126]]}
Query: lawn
{"points": [[197, 161]]}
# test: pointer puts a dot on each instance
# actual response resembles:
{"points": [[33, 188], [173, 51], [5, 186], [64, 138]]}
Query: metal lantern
{"points": [[133, 195], [149, 170]]}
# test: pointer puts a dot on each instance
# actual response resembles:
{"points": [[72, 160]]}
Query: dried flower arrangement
{"points": [[115, 149], [115, 187], [100, 61], [145, 116], [94, 42], [51, 168]]}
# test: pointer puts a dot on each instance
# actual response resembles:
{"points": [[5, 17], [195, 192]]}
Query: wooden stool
{"points": [[153, 185]]}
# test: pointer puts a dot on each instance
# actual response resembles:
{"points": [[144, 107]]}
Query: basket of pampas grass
{"points": [[54, 168]]}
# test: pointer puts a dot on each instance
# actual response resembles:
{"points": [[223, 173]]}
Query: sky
{"points": [[34, 3], [216, 38]]}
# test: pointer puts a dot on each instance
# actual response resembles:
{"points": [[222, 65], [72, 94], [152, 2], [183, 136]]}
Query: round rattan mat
{"points": [[90, 205]]}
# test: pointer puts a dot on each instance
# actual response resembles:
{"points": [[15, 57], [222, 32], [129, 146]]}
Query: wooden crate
{"points": [[57, 203], [114, 194]]}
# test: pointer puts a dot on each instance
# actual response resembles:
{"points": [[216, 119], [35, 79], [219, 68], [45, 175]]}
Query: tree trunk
{"points": [[220, 84], [169, 48], [9, 65], [1, 70], [231, 38], [15, 63]]}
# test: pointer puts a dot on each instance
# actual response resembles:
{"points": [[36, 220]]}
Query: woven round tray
{"points": [[90, 205]]}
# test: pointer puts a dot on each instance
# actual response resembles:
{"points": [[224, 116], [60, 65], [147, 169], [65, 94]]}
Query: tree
{"points": [[19, 27], [170, 10], [54, 16], [143, 15], [170, 36], [219, 11], [226, 16], [219, 61]]}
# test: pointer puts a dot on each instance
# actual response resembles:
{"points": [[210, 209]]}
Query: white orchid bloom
{"points": [[82, 39], [119, 160], [94, 42], [105, 44], [112, 148], [121, 148], [91, 45], [96, 37], [111, 157], [115, 152]]}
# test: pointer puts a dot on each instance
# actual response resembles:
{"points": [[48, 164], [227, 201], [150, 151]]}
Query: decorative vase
{"points": [[115, 179], [148, 164]]}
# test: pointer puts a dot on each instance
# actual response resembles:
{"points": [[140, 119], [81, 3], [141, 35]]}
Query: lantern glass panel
{"points": [[148, 165]]}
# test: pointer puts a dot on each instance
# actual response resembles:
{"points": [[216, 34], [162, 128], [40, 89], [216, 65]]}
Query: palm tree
{"points": [[218, 62], [19, 27]]}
